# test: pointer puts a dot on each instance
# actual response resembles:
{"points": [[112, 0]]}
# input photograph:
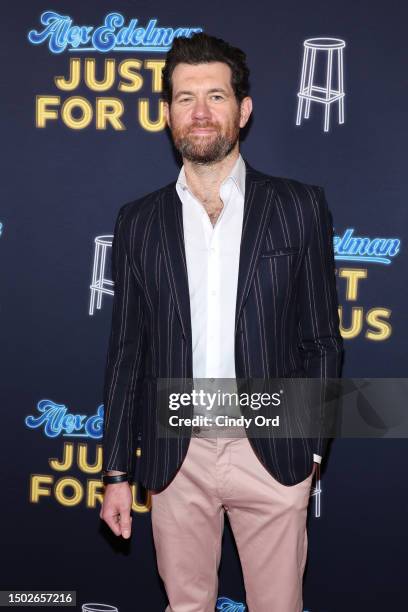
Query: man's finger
{"points": [[126, 525], [114, 524]]}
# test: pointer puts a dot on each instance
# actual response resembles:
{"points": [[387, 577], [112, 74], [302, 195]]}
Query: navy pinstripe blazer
{"points": [[287, 322]]}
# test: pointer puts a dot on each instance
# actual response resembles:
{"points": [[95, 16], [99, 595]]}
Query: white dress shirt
{"points": [[212, 255]]}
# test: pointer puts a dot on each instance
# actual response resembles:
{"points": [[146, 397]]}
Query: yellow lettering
{"points": [[156, 67], [352, 275], [144, 116], [67, 113], [90, 78], [109, 110], [67, 457], [75, 76], [42, 113], [383, 327], [127, 70]]}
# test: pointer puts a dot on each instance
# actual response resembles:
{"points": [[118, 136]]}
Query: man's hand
{"points": [[116, 507]]}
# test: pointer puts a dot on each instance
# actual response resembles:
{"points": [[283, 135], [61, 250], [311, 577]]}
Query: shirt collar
{"points": [[237, 174]]}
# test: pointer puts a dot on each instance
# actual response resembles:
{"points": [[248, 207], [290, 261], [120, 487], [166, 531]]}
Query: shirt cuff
{"points": [[317, 458]]}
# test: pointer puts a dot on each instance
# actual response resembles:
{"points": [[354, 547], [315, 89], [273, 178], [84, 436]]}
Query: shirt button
{"points": [[213, 292]]}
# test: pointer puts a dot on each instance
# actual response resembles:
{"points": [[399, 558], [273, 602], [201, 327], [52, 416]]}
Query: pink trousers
{"points": [[268, 520]]}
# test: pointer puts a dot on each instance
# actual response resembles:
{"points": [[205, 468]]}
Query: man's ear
{"points": [[245, 111], [167, 113]]}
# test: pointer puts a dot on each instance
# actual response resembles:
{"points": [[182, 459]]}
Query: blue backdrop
{"points": [[75, 152]]}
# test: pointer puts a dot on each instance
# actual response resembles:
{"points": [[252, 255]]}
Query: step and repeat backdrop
{"points": [[83, 133]]}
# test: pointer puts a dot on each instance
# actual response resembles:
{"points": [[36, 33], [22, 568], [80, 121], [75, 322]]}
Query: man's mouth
{"points": [[202, 130]]}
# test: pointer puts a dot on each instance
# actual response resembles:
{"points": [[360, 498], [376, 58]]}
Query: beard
{"points": [[210, 148]]}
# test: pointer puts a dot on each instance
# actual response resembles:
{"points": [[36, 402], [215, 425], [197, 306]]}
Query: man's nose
{"points": [[201, 110]]}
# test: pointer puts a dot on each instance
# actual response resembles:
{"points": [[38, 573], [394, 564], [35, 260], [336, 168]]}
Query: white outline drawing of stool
{"points": [[316, 492], [309, 92], [100, 284]]}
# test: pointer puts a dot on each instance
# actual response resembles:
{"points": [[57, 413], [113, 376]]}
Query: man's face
{"points": [[205, 116]]}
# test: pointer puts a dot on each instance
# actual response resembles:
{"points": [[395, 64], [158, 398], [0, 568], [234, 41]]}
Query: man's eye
{"points": [[217, 96], [185, 99]]}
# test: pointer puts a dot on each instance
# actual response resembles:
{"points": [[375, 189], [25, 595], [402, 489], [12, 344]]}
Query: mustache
{"points": [[203, 125]]}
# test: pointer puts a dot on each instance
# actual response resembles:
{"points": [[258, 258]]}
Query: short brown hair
{"points": [[201, 48]]}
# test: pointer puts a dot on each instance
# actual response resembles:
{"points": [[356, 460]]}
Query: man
{"points": [[225, 273]]}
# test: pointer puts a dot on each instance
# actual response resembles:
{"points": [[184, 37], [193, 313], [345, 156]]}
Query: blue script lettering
{"points": [[229, 605], [94, 425], [104, 38], [56, 420], [61, 34], [361, 248]]}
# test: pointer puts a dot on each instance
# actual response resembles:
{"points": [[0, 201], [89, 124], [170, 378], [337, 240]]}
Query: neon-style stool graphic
{"points": [[100, 284], [316, 492], [309, 91], [98, 607]]}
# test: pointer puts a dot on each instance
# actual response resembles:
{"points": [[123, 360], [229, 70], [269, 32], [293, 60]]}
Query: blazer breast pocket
{"points": [[280, 251]]}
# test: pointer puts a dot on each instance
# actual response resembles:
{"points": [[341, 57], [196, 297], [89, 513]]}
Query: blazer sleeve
{"points": [[124, 362], [320, 342]]}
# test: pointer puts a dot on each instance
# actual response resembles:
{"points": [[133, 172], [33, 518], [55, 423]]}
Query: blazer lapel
{"points": [[258, 207], [172, 242]]}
